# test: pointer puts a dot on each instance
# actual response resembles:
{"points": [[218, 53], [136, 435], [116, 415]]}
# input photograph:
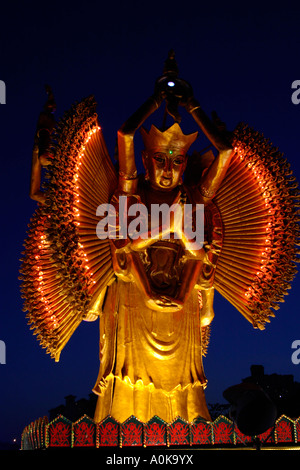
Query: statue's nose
{"points": [[168, 168]]}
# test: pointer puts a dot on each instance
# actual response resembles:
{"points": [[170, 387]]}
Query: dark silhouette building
{"points": [[282, 389], [73, 410]]}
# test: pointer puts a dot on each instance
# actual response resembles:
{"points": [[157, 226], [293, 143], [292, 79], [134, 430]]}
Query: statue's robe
{"points": [[151, 362]]}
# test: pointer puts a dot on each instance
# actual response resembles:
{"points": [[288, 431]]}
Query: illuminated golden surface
{"points": [[154, 296], [151, 362]]}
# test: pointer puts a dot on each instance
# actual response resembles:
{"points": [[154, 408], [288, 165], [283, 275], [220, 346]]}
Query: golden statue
{"points": [[152, 286]]}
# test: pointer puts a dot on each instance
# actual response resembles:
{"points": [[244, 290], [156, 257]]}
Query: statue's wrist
{"points": [[128, 183], [157, 99], [191, 105]]}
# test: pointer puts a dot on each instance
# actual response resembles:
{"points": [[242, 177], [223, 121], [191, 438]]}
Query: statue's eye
{"points": [[178, 161], [159, 159]]}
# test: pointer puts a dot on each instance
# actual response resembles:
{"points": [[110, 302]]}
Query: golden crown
{"points": [[171, 139]]}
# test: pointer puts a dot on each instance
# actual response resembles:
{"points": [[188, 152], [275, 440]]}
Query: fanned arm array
{"points": [[258, 203], [65, 267]]}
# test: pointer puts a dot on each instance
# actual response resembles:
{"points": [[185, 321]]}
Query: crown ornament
{"points": [[170, 139]]}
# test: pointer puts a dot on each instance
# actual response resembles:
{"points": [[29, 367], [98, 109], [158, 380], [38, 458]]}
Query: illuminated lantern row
{"points": [[258, 203], [65, 266]]}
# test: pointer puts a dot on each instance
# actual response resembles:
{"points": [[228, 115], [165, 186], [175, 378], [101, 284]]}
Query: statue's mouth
{"points": [[166, 181]]}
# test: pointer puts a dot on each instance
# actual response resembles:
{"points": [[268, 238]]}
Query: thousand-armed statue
{"points": [[150, 280]]}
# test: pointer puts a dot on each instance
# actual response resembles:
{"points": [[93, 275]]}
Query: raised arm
{"points": [[35, 192], [126, 157], [178, 92], [213, 178], [41, 151]]}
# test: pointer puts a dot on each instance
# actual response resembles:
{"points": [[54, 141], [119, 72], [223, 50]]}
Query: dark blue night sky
{"points": [[241, 61]]}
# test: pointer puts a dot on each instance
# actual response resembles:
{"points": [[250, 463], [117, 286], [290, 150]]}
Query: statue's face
{"points": [[164, 167]]}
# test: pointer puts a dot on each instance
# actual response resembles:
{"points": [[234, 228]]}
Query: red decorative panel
{"points": [[132, 432], [223, 430], [84, 432], [284, 430], [155, 432], [201, 432], [267, 436], [60, 432], [178, 432], [108, 432], [241, 438]]}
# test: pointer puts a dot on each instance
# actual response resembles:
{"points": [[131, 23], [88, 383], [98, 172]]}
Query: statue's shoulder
{"points": [[192, 194]]}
